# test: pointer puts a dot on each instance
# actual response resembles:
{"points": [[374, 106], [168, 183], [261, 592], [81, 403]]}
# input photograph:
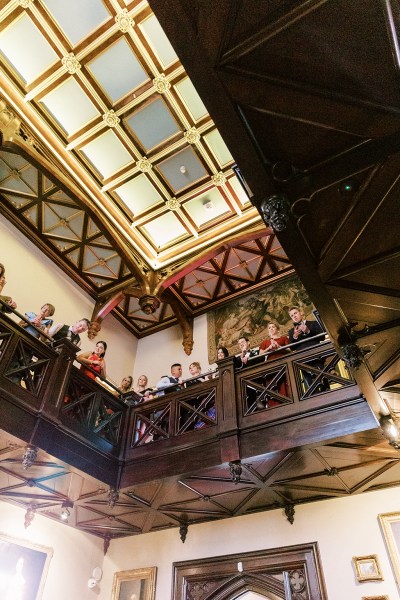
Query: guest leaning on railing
{"points": [[7, 299]]}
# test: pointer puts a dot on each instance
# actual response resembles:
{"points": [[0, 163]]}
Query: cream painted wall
{"points": [[343, 528], [33, 280], [75, 554], [156, 353]]}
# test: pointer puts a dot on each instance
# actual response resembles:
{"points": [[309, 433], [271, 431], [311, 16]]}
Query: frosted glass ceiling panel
{"points": [[77, 18], [191, 98], [31, 57], [153, 124], [70, 106], [138, 194], [118, 71], [182, 169], [197, 208], [107, 154], [237, 186], [159, 41], [218, 147], [165, 229]]}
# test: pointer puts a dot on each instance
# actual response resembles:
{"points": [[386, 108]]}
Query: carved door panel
{"points": [[292, 573]]}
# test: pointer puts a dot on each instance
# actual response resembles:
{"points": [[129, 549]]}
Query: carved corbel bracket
{"points": [[352, 355], [183, 529], [289, 512], [100, 311], [185, 322], [275, 212]]}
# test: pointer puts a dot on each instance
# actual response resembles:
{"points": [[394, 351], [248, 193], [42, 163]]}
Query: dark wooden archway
{"points": [[289, 573]]}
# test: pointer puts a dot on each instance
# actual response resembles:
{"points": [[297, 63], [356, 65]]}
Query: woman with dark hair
{"points": [[94, 360], [222, 352]]}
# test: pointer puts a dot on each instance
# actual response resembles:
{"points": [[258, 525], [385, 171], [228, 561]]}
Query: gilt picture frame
{"points": [[390, 525], [23, 568], [136, 584], [375, 598], [367, 568]]}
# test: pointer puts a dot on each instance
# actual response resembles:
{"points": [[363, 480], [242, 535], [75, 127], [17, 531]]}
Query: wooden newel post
{"points": [[227, 411], [57, 384]]}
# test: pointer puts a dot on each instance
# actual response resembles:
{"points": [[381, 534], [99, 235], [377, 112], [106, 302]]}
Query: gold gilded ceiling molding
{"points": [[214, 237], [144, 165], [172, 275], [172, 204], [192, 135], [75, 176], [124, 21], [25, 3], [71, 63], [219, 178], [111, 119], [161, 84], [14, 136], [10, 125]]}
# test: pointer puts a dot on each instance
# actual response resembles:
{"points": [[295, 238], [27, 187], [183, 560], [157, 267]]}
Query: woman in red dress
{"points": [[275, 346], [275, 342], [94, 360]]}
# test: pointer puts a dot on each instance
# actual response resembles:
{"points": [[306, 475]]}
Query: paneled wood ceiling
{"points": [[112, 164], [355, 464]]}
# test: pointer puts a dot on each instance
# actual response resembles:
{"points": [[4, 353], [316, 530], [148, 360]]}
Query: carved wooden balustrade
{"points": [[292, 401]]}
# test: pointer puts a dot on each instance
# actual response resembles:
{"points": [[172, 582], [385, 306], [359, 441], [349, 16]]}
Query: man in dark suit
{"points": [[303, 333], [71, 332], [242, 360], [303, 330]]}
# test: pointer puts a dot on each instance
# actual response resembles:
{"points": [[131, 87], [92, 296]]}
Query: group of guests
{"points": [[40, 325], [303, 334]]}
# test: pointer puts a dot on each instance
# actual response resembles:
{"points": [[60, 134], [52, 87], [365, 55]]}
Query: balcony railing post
{"points": [[226, 410], [54, 394]]}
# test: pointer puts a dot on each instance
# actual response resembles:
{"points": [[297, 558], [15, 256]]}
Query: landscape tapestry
{"points": [[249, 315]]}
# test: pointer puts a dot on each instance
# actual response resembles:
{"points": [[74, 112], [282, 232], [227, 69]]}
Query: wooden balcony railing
{"points": [[299, 399]]}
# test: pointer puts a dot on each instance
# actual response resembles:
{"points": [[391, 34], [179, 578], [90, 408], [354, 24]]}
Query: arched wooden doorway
{"points": [[291, 573]]}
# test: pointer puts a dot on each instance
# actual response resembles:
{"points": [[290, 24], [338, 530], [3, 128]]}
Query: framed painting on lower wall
{"points": [[23, 568], [136, 584], [390, 524]]}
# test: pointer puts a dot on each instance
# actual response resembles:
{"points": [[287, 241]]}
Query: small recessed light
{"points": [[182, 169]]}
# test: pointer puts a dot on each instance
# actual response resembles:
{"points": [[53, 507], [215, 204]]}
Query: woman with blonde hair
{"points": [[142, 384], [195, 370], [276, 342]]}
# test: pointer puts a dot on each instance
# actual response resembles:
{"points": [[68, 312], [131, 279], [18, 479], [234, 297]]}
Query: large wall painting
{"points": [[250, 315], [23, 569]]}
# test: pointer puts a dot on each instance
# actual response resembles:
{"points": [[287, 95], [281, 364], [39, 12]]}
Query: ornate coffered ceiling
{"points": [[110, 160]]}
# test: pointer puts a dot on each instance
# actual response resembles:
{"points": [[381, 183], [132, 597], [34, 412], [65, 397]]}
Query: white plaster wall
{"points": [[33, 279], [75, 554], [343, 528], [156, 353]]}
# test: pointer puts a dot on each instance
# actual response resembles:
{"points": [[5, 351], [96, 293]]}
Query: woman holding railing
{"points": [[94, 360]]}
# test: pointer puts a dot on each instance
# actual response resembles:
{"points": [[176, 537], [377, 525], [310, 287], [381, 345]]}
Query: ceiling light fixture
{"points": [[183, 169], [65, 512], [208, 205], [390, 426]]}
